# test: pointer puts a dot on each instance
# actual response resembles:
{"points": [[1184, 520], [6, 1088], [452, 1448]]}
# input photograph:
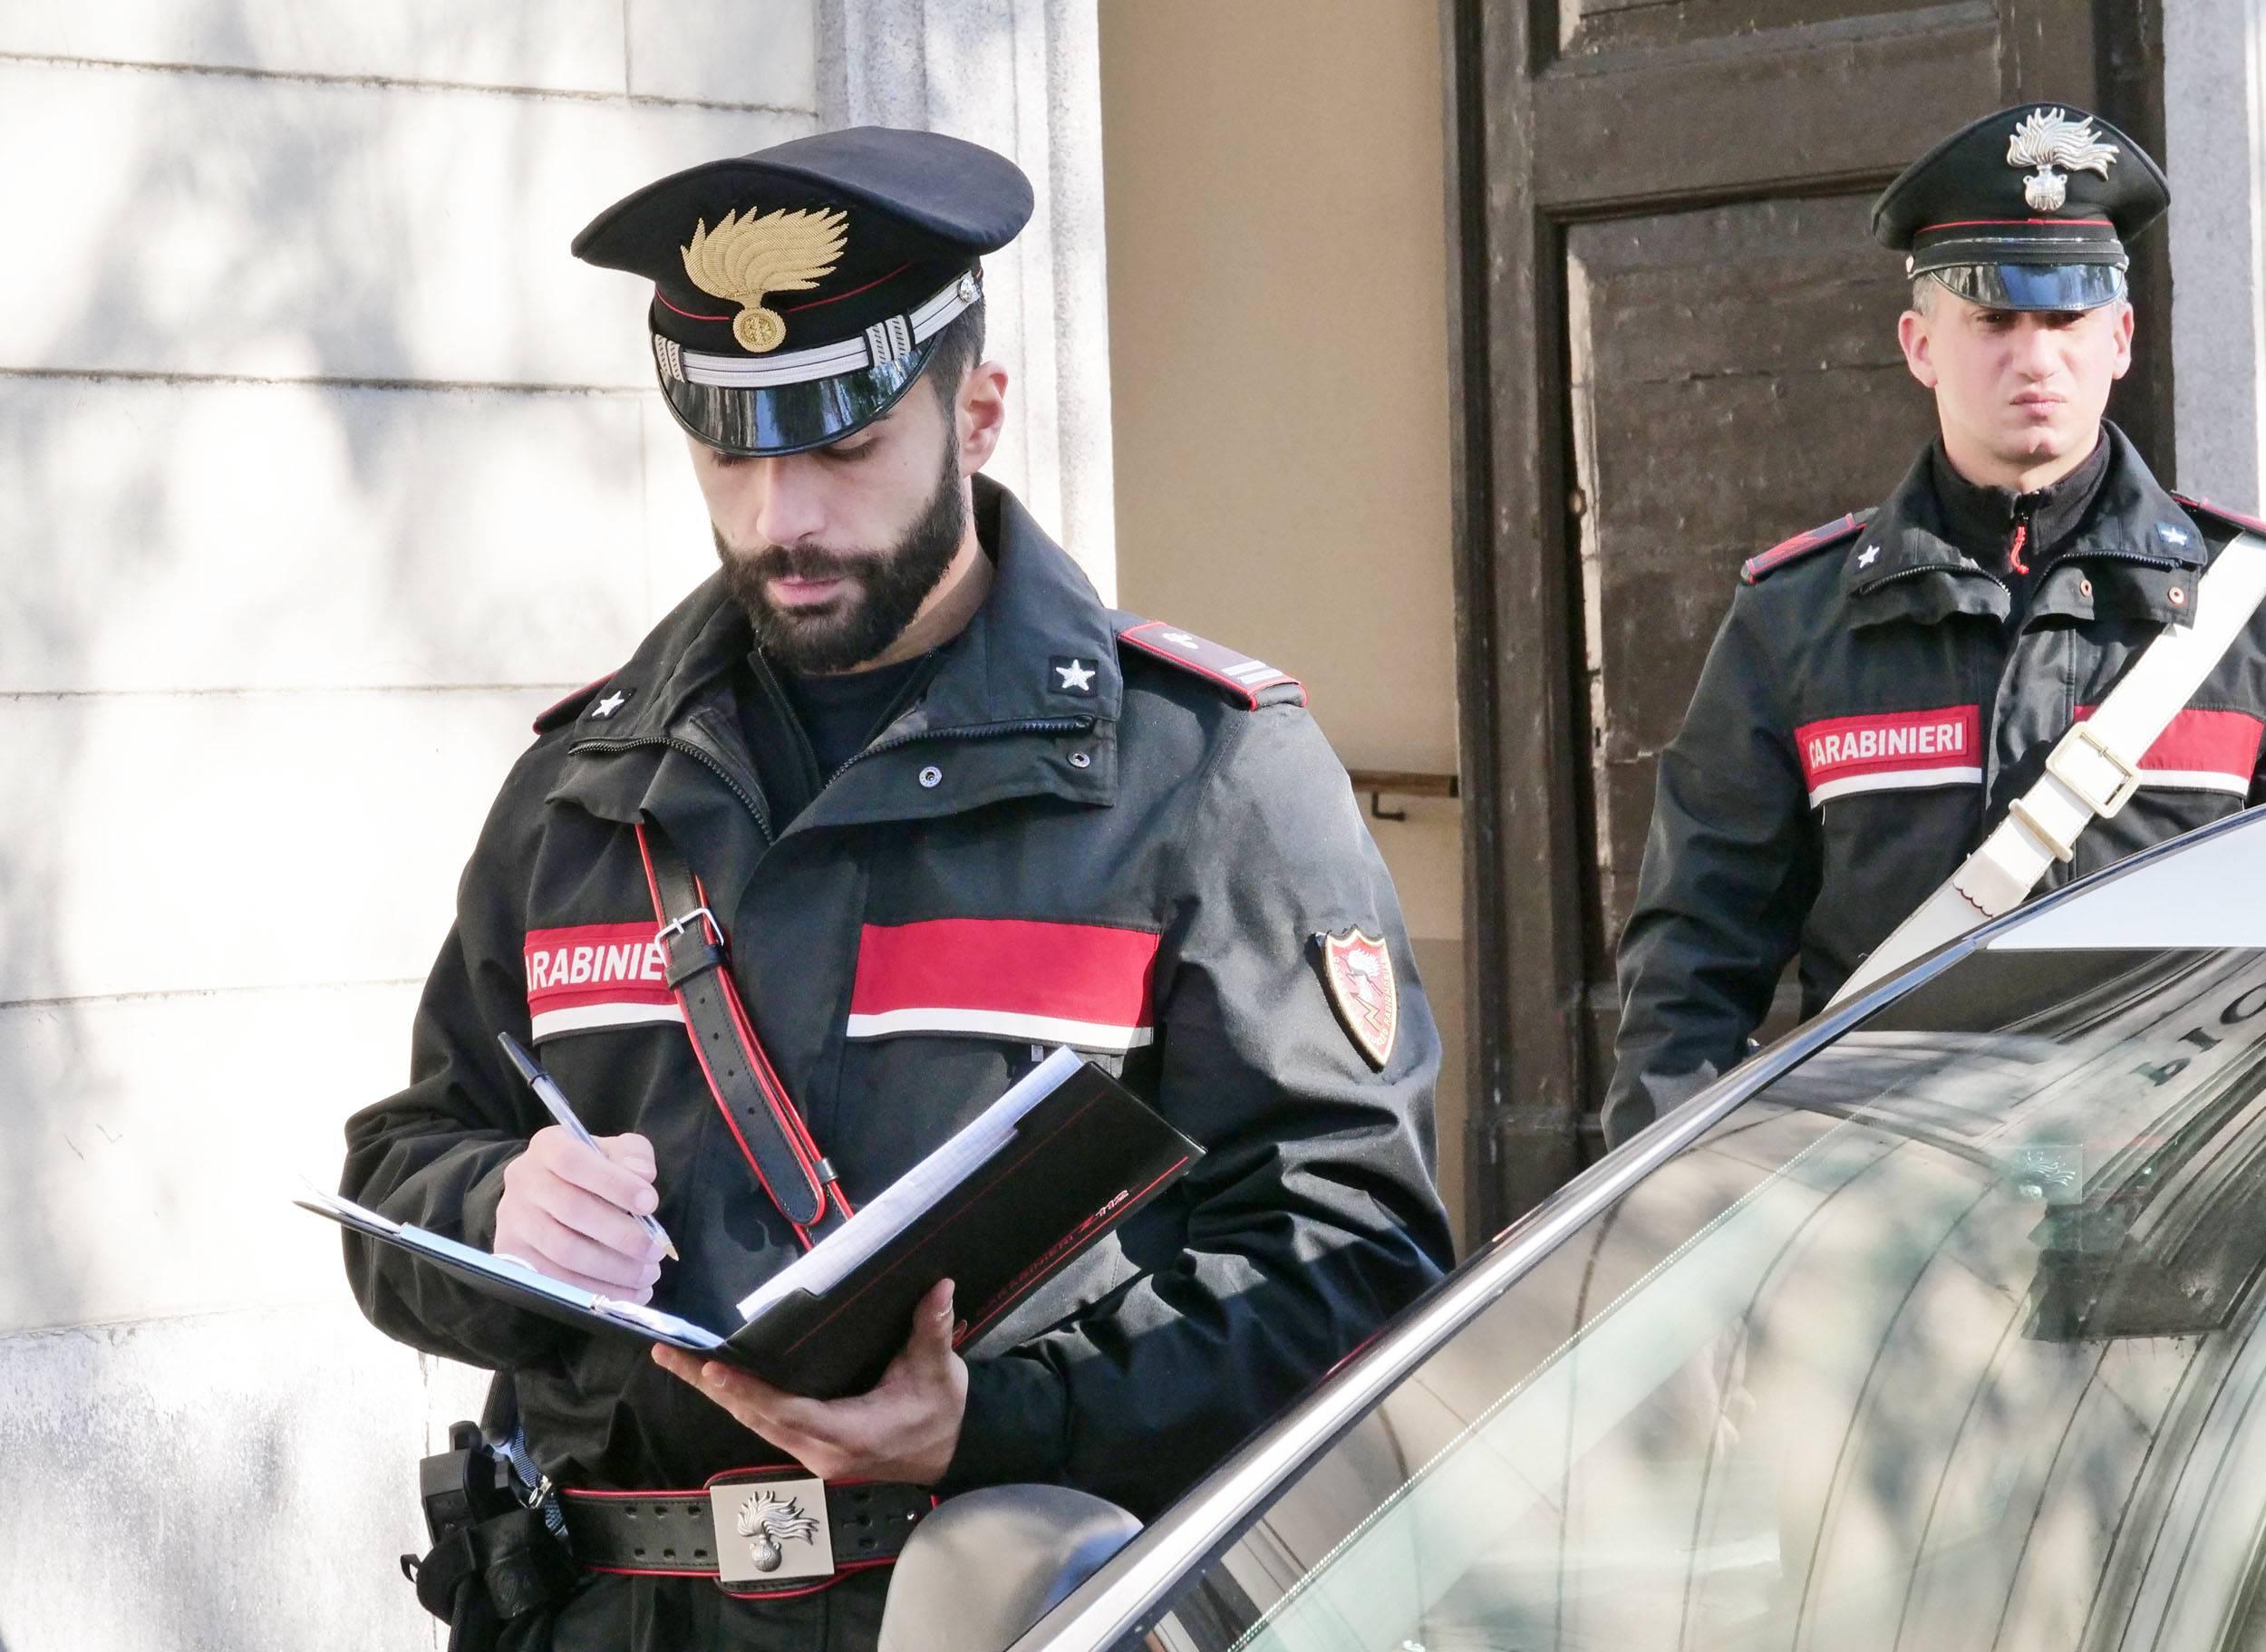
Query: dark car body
{"points": [[1932, 1327]]}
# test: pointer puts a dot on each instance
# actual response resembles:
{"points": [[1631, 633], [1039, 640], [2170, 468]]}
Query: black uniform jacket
{"points": [[1088, 844], [1866, 715]]}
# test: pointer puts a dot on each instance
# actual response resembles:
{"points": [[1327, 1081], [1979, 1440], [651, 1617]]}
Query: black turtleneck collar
{"points": [[1982, 520], [1938, 545]]}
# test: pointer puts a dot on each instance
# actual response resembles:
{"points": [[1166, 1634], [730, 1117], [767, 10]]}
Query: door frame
{"points": [[1516, 719]]}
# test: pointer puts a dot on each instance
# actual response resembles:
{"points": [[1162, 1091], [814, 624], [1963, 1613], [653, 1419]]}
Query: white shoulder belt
{"points": [[2093, 772]]}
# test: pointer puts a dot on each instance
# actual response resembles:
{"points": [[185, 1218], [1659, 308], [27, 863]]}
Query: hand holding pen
{"points": [[578, 1208]]}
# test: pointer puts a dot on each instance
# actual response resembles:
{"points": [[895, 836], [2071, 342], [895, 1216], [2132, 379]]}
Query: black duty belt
{"points": [[753, 1531]]}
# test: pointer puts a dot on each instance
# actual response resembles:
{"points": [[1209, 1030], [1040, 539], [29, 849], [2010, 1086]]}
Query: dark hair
{"points": [[959, 347]]}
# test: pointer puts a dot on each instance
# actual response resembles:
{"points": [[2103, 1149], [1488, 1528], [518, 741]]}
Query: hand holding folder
{"points": [[1060, 1160], [904, 1430]]}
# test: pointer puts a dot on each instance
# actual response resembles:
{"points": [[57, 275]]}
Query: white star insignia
{"points": [[1180, 637], [1871, 551], [1077, 675], [608, 706]]}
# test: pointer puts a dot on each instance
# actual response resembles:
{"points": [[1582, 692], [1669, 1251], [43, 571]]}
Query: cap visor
{"points": [[2035, 287], [772, 419]]}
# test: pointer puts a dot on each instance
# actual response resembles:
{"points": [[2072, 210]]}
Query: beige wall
{"points": [[1278, 351]]}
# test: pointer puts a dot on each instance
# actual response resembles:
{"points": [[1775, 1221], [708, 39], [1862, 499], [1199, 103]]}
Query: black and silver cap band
{"points": [[770, 405]]}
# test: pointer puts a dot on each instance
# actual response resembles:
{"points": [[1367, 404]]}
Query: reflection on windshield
{"points": [[1940, 1342]]}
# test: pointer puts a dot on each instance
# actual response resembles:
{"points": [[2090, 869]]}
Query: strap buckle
{"points": [[678, 925], [2077, 761]]}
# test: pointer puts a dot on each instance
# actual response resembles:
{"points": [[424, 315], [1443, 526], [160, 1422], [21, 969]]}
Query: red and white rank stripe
{"points": [[596, 975], [1891, 751], [2206, 751], [1083, 984]]}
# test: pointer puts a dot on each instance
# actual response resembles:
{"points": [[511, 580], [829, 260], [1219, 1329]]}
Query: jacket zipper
{"points": [[747, 799], [2163, 563], [1890, 579], [1025, 725]]}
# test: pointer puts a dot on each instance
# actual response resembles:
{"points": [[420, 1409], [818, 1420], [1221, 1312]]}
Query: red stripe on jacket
{"points": [[1073, 971], [595, 963], [2198, 741]]}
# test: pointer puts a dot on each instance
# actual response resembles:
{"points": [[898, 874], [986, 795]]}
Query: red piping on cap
{"points": [[1993, 223], [818, 304], [688, 314]]}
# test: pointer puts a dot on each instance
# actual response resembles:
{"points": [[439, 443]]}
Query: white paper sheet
{"points": [[831, 1260]]}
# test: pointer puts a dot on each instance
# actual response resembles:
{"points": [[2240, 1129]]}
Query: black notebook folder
{"points": [[1055, 1163]]}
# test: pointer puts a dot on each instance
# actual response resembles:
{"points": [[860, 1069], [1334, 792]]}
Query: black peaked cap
{"points": [[798, 291], [2028, 209]]}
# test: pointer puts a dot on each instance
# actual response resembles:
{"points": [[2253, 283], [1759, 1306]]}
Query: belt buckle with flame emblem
{"points": [[771, 1531]]}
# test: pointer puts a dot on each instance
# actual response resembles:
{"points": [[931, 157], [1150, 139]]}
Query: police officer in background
{"points": [[1885, 684], [946, 810]]}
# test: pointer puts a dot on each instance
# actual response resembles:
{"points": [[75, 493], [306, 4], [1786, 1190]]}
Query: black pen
{"points": [[555, 1100]]}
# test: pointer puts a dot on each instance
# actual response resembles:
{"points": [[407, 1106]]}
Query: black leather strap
{"points": [[674, 1532], [763, 1118]]}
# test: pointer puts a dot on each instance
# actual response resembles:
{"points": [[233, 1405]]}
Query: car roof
{"points": [[2207, 889]]}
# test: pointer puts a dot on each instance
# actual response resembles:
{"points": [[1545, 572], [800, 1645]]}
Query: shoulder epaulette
{"points": [[2220, 512], [570, 708], [1822, 538], [1254, 683]]}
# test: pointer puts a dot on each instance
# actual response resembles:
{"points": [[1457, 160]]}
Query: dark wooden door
{"points": [[1677, 345]]}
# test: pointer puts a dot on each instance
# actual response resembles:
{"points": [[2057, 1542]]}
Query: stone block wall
{"points": [[322, 467], [1023, 77]]}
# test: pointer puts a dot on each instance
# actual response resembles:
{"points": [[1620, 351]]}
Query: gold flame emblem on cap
{"points": [[747, 259], [2047, 138]]}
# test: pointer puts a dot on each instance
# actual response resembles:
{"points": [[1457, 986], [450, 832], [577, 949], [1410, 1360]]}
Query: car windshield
{"points": [[1940, 1340]]}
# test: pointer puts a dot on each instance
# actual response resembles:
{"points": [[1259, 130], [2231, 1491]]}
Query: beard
{"points": [[881, 589]]}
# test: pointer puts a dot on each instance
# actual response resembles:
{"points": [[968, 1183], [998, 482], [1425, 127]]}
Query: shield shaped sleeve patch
{"points": [[1358, 969]]}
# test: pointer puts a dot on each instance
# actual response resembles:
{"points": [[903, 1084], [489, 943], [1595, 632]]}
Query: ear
{"points": [[980, 412], [1911, 338], [2122, 365]]}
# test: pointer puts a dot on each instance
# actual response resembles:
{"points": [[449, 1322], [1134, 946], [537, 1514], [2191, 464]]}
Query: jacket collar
{"points": [[1029, 649], [1042, 648], [1000, 668], [2131, 551], [1983, 519]]}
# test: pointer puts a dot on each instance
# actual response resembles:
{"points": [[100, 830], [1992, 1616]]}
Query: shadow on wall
{"points": [[224, 519], [252, 510]]}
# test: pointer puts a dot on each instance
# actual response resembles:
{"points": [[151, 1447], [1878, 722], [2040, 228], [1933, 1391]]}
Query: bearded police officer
{"points": [[1887, 684], [944, 811]]}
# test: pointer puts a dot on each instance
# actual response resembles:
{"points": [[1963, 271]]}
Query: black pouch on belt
{"points": [[494, 1560]]}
